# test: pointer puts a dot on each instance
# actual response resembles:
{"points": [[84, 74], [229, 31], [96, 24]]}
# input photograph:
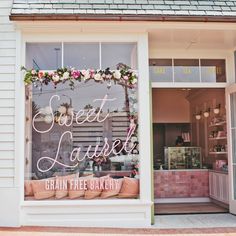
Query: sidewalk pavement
{"points": [[61, 231]]}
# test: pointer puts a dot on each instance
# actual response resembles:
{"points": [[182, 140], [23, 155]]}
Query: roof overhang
{"points": [[107, 17]]}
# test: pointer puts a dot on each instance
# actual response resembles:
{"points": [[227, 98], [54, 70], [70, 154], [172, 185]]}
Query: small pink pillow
{"points": [[112, 187], [130, 188], [95, 187], [40, 189], [63, 183], [77, 189], [28, 188]]}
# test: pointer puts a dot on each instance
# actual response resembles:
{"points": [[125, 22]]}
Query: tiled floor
{"points": [[195, 221]]}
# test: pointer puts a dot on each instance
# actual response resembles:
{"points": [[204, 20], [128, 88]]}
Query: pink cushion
{"points": [[28, 188], [77, 189], [63, 183], [94, 187], [130, 188], [40, 189], [112, 187]]}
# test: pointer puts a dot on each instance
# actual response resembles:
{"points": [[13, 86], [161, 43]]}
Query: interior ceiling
{"points": [[193, 39]]}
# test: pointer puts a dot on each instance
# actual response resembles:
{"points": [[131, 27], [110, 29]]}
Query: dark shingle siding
{"points": [[124, 7]]}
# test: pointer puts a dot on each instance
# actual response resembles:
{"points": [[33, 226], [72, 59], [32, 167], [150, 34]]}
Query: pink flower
{"points": [[75, 74], [41, 74], [126, 77], [92, 73], [108, 76], [84, 72]]}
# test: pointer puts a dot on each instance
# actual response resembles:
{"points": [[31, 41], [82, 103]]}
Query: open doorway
{"points": [[190, 151]]}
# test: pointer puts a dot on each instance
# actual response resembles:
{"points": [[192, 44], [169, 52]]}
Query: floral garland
{"points": [[122, 75]]}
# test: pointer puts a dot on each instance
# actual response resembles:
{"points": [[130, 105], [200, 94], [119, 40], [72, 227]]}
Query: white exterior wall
{"points": [[9, 192], [15, 210]]}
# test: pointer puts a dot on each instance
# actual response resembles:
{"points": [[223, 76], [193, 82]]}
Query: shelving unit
{"points": [[218, 124], [217, 153], [217, 136]]}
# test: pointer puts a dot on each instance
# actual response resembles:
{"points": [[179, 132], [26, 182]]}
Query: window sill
{"points": [[98, 202]]}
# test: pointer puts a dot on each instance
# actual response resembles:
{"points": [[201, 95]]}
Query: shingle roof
{"points": [[176, 8]]}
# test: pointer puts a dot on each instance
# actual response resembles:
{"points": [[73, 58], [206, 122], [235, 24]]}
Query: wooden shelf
{"points": [[218, 138], [218, 124], [217, 153]]}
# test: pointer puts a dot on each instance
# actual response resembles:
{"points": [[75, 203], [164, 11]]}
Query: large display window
{"points": [[82, 134]]}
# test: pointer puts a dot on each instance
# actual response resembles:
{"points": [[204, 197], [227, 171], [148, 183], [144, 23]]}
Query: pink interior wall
{"points": [[170, 106], [199, 101]]}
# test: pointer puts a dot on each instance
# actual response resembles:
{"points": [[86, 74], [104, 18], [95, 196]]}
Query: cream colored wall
{"points": [[9, 187], [170, 106]]}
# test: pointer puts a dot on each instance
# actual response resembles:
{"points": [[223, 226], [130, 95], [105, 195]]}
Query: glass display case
{"points": [[183, 158]]}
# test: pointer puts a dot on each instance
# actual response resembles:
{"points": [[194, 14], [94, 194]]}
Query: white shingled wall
{"points": [[9, 192]]}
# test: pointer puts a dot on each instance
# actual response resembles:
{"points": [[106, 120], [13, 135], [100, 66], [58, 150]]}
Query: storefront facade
{"points": [[31, 135]]}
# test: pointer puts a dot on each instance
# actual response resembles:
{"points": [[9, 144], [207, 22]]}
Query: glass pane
{"points": [[82, 143], [43, 56], [213, 70], [81, 55], [115, 53], [160, 70], [186, 70]]}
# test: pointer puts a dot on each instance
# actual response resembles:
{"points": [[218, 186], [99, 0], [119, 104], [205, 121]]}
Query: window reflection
{"points": [[43, 56], [84, 137]]}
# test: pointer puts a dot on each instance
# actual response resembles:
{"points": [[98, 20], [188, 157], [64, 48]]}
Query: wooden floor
{"points": [[186, 208]]}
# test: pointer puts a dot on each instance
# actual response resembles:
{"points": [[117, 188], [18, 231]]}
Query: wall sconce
{"points": [[216, 110], [206, 113], [198, 116]]}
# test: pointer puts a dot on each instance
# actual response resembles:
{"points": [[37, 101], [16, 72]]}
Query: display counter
{"points": [[181, 183], [182, 158]]}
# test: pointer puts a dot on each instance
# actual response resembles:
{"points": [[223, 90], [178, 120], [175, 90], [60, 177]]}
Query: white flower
{"points": [[47, 110], [97, 77], [33, 72], [62, 109], [55, 78], [134, 139], [117, 74], [63, 119], [48, 119], [70, 111], [42, 111], [86, 74], [134, 81], [65, 75]]}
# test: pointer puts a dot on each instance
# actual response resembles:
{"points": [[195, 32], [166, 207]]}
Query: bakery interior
{"points": [[190, 152]]}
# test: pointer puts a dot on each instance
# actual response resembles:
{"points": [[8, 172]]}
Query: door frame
{"points": [[171, 85], [232, 202]]}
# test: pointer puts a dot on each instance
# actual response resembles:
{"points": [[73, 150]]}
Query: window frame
{"points": [[200, 83], [141, 41]]}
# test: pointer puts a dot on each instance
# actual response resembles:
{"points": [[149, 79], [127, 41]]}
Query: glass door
{"points": [[231, 120]]}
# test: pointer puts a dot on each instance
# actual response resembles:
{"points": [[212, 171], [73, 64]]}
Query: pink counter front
{"points": [[181, 183]]}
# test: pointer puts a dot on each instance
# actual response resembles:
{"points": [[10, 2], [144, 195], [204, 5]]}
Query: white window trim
{"points": [[228, 56], [144, 109], [191, 84]]}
